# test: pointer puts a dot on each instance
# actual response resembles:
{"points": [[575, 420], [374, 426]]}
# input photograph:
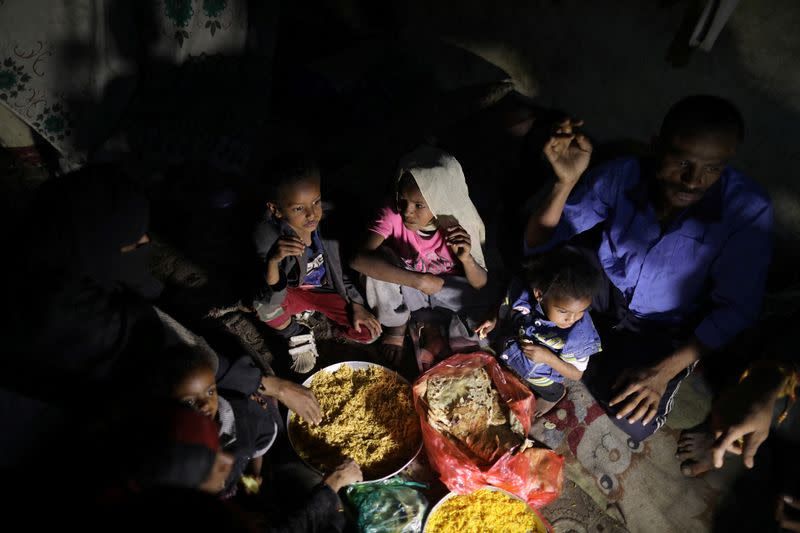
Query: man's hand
{"points": [[285, 246], [486, 327], [568, 152], [459, 242], [535, 352], [362, 317], [641, 389], [640, 393], [429, 284], [742, 416], [345, 474], [296, 397]]}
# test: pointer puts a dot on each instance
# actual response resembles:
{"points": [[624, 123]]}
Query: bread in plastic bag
{"points": [[533, 474]]}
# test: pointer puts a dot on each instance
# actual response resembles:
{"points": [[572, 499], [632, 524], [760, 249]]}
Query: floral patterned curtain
{"points": [[71, 69]]}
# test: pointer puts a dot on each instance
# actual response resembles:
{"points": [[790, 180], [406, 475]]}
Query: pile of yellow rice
{"points": [[367, 415], [482, 511]]}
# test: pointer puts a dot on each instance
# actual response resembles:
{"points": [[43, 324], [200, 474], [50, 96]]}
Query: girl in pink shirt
{"points": [[424, 252]]}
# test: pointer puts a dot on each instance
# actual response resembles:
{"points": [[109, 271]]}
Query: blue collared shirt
{"points": [[713, 257], [573, 345]]}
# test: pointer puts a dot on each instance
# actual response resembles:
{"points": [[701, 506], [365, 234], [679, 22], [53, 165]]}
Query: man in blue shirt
{"points": [[685, 246]]}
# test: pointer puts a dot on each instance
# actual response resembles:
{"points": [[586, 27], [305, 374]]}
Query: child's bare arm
{"points": [[476, 275], [251, 479], [371, 262], [493, 315], [568, 153], [540, 354], [254, 466], [545, 218], [296, 397]]}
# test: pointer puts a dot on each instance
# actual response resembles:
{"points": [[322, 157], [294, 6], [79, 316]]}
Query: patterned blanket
{"points": [[639, 484]]}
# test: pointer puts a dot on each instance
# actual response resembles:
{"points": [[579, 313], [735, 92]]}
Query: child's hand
{"points": [[285, 246], [251, 483], [459, 242], [535, 352], [568, 152], [345, 474], [484, 329], [362, 317], [296, 397], [429, 284]]}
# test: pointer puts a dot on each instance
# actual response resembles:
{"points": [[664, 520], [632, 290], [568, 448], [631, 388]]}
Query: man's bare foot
{"points": [[694, 450], [543, 406]]}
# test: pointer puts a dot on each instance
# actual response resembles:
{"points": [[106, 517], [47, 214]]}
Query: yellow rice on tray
{"points": [[367, 414], [482, 511]]}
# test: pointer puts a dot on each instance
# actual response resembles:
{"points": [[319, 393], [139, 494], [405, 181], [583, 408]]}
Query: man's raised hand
{"points": [[568, 151]]}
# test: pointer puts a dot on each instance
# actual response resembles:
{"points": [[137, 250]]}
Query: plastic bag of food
{"points": [[393, 505], [533, 474]]}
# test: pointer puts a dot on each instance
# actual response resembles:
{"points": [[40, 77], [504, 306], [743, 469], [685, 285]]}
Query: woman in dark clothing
{"points": [[81, 284], [77, 288]]}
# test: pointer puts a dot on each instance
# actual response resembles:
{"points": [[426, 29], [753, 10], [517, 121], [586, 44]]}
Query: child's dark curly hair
{"points": [[564, 272], [174, 365], [287, 170]]}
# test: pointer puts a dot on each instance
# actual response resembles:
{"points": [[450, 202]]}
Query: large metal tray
{"points": [[355, 365]]}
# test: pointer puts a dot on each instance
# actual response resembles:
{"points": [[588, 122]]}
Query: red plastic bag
{"points": [[534, 475]]}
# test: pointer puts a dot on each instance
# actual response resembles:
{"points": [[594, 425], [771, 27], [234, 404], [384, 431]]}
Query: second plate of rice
{"points": [[488, 509]]}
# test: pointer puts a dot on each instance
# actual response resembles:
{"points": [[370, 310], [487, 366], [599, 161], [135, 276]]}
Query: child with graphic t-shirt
{"points": [[424, 251], [301, 270]]}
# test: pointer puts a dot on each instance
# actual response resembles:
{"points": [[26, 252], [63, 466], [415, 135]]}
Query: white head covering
{"points": [[441, 181]]}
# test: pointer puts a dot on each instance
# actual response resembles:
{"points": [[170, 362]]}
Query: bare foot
{"points": [[543, 406], [390, 350], [694, 450], [432, 345]]}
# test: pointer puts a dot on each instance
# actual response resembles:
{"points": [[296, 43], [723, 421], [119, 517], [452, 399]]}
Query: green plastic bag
{"points": [[393, 505]]}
